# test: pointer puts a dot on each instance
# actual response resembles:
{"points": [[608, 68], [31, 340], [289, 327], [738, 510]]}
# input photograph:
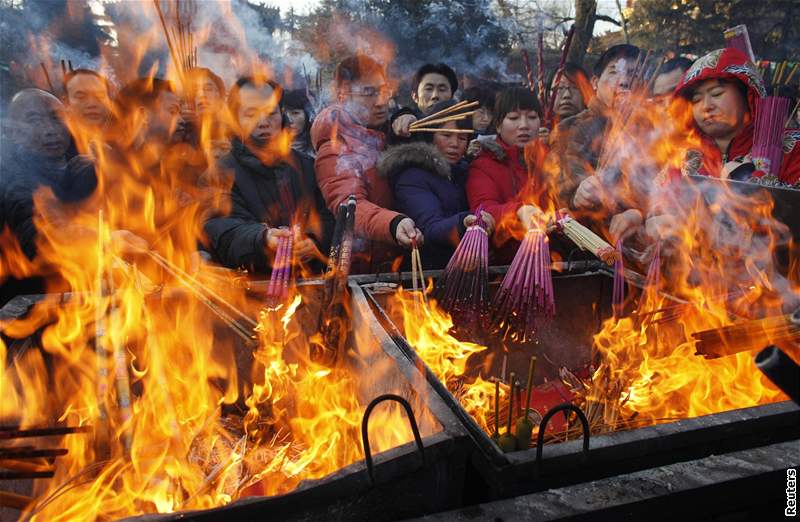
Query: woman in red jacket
{"points": [[499, 178]]}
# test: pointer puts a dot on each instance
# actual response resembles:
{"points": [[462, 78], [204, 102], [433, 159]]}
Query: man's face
{"points": [[663, 87], [614, 81], [88, 99], [568, 100], [39, 127], [367, 98], [719, 108], [207, 97], [259, 113], [432, 88], [166, 124], [297, 120]]}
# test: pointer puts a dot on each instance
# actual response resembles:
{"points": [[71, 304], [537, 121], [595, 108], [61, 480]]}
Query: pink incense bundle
{"points": [[463, 288], [738, 38], [525, 299], [768, 138], [278, 288], [618, 293]]}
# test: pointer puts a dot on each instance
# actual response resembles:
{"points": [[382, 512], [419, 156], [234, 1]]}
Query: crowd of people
{"points": [[252, 162]]}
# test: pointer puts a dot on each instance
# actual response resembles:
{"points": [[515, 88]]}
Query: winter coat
{"points": [[24, 173], [432, 193], [576, 149], [736, 162], [347, 155], [499, 181], [266, 196]]}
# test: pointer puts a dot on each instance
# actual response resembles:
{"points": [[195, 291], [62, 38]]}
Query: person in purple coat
{"points": [[427, 179]]}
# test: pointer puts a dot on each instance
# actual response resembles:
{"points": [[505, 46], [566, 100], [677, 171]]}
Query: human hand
{"points": [[273, 235], [487, 218], [588, 194], [401, 125], [625, 224], [407, 232]]}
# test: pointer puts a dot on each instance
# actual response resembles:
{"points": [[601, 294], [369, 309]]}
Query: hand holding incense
{"points": [[278, 288], [587, 240], [525, 298], [463, 289]]}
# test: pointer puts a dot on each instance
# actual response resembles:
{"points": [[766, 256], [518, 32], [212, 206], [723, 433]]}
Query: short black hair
{"points": [[204, 72], [75, 72], [514, 99], [483, 94], [435, 68], [612, 53], [573, 72], [356, 67], [142, 92], [233, 97], [296, 99], [679, 62]]}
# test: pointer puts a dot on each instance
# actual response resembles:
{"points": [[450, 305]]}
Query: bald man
{"points": [[36, 158]]}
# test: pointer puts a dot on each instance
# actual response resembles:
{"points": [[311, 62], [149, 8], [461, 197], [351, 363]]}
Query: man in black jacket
{"points": [[273, 190], [34, 159]]}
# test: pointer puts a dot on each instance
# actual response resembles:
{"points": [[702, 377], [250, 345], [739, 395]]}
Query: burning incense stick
{"points": [[525, 297], [540, 71], [587, 240], [417, 277], [278, 288], [618, 293], [496, 435], [526, 61], [47, 77], [453, 117], [463, 290], [548, 114], [747, 335], [507, 441], [524, 428]]}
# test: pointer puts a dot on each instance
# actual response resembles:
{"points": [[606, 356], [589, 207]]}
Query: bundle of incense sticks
{"points": [[738, 38], [457, 112], [463, 290], [587, 240], [618, 293], [768, 139], [548, 114], [334, 313], [278, 288], [525, 298], [652, 281]]}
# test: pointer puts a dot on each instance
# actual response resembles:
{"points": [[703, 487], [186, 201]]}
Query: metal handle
{"points": [[543, 426], [365, 431]]}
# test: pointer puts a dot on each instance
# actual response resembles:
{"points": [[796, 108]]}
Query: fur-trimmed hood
{"points": [[424, 156]]}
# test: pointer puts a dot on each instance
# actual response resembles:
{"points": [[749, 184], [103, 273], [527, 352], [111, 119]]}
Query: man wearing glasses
{"points": [[348, 141]]}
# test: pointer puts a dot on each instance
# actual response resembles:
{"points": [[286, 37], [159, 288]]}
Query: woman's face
{"points": [[297, 120], [452, 145], [482, 118], [519, 127]]}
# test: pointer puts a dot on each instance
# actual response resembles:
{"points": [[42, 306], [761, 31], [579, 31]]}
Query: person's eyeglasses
{"points": [[369, 91]]}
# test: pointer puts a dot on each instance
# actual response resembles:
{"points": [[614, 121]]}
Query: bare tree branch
{"points": [[608, 19]]}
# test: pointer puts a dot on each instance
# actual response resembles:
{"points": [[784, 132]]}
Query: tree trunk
{"points": [[584, 27]]}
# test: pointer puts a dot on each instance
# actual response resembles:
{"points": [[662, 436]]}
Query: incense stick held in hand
{"points": [[525, 297], [463, 289], [278, 288], [587, 240]]}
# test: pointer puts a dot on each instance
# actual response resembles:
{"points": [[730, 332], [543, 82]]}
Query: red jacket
{"points": [[499, 180], [347, 154], [707, 159]]}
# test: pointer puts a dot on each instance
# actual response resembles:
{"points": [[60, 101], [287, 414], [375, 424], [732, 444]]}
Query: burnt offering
{"points": [[285, 437], [604, 414]]}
